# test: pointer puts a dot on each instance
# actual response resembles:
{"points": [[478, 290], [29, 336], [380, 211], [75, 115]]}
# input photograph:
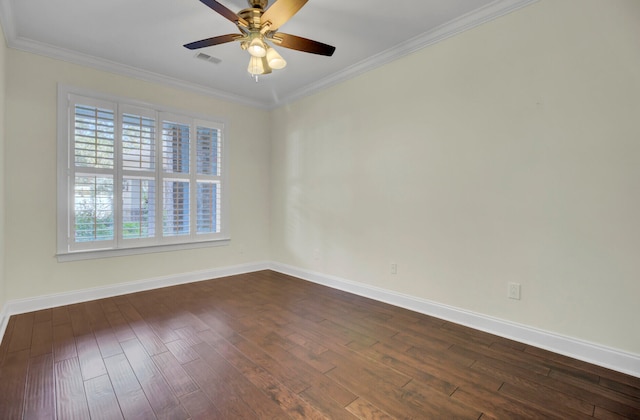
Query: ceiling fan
{"points": [[258, 25]]}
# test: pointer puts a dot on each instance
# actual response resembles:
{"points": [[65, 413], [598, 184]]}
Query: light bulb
{"points": [[275, 60], [257, 47], [255, 66]]}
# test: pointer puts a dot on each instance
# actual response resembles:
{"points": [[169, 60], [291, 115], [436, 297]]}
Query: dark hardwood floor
{"points": [[265, 345]]}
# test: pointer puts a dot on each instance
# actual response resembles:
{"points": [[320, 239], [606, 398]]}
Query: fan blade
{"points": [[222, 10], [216, 40], [280, 12], [302, 44]]}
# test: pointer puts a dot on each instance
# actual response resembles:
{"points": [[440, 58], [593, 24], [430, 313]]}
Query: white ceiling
{"points": [[144, 38]]}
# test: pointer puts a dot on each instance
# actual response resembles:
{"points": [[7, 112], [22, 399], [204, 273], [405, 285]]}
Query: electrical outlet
{"points": [[514, 291], [394, 268]]}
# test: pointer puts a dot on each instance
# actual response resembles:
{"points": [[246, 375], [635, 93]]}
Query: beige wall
{"points": [[508, 153], [3, 53], [30, 198]]}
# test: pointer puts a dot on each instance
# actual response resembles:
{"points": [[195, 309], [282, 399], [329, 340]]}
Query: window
{"points": [[137, 178]]}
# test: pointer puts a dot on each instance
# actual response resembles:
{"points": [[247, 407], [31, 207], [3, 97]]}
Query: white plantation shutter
{"points": [[176, 174], [208, 151], [208, 209], [176, 214], [175, 147], [191, 192], [93, 208], [208, 194], [138, 169], [137, 177], [138, 142], [92, 173], [93, 142], [138, 208]]}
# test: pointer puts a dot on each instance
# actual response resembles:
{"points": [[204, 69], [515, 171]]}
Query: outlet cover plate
{"points": [[514, 291]]}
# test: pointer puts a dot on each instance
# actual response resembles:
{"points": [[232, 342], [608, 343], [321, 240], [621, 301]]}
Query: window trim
{"points": [[65, 194]]}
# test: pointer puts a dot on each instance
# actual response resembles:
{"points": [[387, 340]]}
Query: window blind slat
{"points": [[94, 137], [208, 156], [208, 208], [138, 208], [175, 147], [93, 208], [176, 214], [138, 144]]}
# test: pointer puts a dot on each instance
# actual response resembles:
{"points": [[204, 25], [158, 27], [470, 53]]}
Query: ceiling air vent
{"points": [[207, 57]]}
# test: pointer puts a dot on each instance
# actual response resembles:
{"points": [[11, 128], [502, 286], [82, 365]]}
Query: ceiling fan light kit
{"points": [[255, 66], [257, 47], [275, 60], [257, 27]]}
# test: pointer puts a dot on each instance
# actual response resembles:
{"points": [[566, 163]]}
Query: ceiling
{"points": [[144, 38]]}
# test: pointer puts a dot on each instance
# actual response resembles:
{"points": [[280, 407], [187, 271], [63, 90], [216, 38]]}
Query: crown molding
{"points": [[463, 23], [109, 66]]}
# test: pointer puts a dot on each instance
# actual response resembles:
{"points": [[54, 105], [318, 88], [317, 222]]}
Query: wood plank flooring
{"points": [[268, 346]]}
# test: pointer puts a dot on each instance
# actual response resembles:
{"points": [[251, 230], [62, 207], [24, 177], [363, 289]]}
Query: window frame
{"points": [[70, 250]]}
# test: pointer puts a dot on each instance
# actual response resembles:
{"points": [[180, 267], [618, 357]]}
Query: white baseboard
{"points": [[582, 350], [20, 306], [578, 349]]}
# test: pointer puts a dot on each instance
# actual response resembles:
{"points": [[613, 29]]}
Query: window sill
{"points": [[108, 253]]}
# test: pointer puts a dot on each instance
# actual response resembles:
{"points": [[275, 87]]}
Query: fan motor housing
{"points": [[252, 16], [258, 4]]}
